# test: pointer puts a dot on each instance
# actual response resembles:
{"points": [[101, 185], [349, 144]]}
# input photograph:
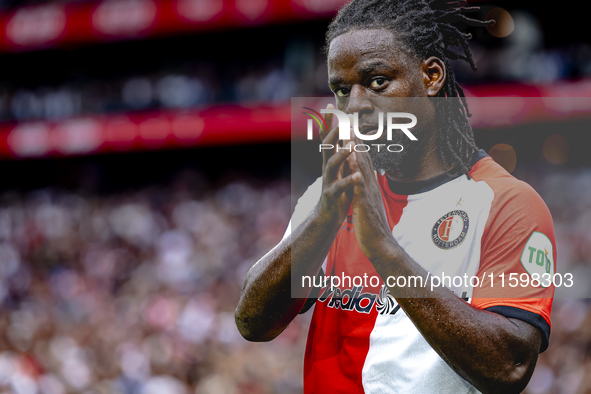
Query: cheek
{"points": [[417, 86], [341, 103], [407, 87]]}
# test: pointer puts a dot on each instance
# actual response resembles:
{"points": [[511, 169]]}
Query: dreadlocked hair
{"points": [[427, 28]]}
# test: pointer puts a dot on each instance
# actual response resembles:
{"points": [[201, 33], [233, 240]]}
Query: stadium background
{"points": [[145, 165]]}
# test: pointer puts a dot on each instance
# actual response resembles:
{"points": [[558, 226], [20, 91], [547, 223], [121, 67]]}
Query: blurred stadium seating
{"points": [[130, 208]]}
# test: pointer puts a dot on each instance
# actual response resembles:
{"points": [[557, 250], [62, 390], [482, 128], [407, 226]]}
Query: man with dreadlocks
{"points": [[441, 205]]}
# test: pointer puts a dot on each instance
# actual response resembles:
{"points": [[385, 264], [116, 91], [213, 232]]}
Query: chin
{"points": [[384, 160]]}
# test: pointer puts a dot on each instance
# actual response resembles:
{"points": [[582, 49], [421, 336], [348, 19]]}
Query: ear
{"points": [[434, 75]]}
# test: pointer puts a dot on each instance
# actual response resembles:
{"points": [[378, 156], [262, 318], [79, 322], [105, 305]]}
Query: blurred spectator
{"points": [[134, 293], [298, 70]]}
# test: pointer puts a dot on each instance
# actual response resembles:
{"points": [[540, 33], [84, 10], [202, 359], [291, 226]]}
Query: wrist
{"points": [[330, 219], [386, 254]]}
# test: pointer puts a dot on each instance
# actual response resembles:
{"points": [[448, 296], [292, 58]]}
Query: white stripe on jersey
{"points": [[399, 359]]}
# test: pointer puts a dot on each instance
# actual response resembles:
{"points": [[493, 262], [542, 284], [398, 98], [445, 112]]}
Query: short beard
{"points": [[384, 160]]}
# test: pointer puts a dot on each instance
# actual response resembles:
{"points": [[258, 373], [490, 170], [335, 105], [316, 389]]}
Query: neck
{"points": [[418, 166]]}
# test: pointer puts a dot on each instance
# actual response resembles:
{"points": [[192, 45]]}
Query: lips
{"points": [[368, 130], [364, 128]]}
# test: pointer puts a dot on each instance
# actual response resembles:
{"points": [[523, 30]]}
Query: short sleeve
{"points": [[306, 204], [304, 207], [518, 245]]}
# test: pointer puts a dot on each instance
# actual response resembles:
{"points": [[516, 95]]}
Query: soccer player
{"points": [[439, 207]]}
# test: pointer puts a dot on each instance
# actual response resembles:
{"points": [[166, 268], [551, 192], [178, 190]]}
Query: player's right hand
{"points": [[337, 179]]}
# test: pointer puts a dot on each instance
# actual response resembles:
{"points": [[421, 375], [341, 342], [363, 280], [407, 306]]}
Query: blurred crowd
{"points": [[565, 367], [134, 293], [299, 69], [302, 72], [12, 4]]}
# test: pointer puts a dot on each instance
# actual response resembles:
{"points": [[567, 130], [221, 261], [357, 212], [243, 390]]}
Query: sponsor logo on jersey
{"points": [[450, 230], [354, 300], [538, 255]]}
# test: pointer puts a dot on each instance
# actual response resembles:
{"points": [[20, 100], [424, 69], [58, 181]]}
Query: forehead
{"points": [[349, 51]]}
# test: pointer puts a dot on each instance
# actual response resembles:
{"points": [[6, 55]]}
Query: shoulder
{"points": [[517, 211], [510, 194]]}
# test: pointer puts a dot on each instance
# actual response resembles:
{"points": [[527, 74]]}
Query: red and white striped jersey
{"points": [[361, 341]]}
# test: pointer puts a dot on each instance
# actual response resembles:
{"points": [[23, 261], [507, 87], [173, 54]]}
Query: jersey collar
{"points": [[409, 188]]}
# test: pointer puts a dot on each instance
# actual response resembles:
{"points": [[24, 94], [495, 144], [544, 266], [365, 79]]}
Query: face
{"points": [[371, 72]]}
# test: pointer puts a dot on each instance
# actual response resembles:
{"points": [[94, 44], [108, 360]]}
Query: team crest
{"points": [[450, 230]]}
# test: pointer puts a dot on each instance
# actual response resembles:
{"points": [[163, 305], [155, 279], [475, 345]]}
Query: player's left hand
{"points": [[369, 216]]}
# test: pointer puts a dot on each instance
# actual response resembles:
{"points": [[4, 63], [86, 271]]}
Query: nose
{"points": [[359, 101]]}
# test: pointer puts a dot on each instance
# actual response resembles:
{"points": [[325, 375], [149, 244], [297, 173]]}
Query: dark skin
{"points": [[490, 351]]}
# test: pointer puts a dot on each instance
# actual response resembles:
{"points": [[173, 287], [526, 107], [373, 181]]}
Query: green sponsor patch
{"points": [[538, 255]]}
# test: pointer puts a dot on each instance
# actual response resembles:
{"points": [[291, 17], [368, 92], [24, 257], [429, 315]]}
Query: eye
{"points": [[341, 92], [377, 83]]}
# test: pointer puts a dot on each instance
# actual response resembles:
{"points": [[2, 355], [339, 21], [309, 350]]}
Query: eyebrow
{"points": [[374, 65], [333, 81], [363, 69]]}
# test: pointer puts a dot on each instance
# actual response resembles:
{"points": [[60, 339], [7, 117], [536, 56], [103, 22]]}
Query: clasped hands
{"points": [[349, 179]]}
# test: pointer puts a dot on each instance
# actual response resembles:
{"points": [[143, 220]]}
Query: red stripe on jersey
{"points": [[338, 339]]}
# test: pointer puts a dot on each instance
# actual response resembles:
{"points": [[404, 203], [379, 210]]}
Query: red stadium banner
{"points": [[218, 125], [56, 24], [243, 124]]}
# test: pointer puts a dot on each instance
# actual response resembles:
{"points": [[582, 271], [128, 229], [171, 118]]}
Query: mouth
{"points": [[368, 130]]}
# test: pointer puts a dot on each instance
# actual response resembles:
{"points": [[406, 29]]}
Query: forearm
{"points": [[269, 302], [490, 351]]}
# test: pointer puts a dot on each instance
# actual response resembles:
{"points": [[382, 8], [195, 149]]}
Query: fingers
{"points": [[329, 118], [331, 139], [334, 165], [353, 163], [338, 173], [340, 186], [328, 135], [362, 162]]}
